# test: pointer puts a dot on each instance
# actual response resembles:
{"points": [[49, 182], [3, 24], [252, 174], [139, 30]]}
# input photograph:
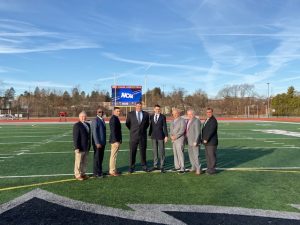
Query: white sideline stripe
{"points": [[42, 175], [262, 168], [6, 157], [127, 150], [269, 141], [267, 147], [277, 143], [282, 132], [229, 169]]}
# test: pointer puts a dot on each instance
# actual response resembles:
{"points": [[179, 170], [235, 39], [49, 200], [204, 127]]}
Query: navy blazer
{"points": [[81, 137], [210, 132], [158, 130], [137, 130], [115, 130], [98, 131]]}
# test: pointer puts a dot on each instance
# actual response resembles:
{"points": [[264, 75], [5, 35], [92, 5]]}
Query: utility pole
{"points": [[268, 99]]}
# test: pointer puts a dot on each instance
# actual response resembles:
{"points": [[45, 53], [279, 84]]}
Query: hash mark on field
{"points": [[6, 157], [269, 141], [276, 143]]}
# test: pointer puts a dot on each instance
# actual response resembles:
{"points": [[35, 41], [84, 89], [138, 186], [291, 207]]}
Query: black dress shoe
{"points": [[175, 170], [145, 169], [99, 176], [131, 170], [181, 172]]}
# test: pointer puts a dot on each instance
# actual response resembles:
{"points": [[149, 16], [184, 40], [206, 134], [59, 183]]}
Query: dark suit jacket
{"points": [[159, 129], [81, 138], [137, 130], [210, 132], [98, 131], [115, 130]]}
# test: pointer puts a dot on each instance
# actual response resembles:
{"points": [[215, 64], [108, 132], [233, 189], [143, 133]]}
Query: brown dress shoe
{"points": [[114, 174], [85, 177], [80, 178]]}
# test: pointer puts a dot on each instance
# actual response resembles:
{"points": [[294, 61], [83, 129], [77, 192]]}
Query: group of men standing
{"points": [[182, 131]]}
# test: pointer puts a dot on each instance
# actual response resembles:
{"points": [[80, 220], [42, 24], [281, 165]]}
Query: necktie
{"points": [[156, 118], [139, 117]]}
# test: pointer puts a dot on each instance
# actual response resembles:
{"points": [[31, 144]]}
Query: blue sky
{"points": [[192, 44]]}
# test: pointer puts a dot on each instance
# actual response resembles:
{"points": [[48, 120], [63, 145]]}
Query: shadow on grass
{"points": [[226, 158]]}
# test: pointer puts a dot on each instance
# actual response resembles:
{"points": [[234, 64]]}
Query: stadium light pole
{"points": [[268, 99], [115, 90], [146, 69]]}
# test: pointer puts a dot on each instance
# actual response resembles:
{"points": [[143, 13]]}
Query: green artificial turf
{"points": [[242, 145]]}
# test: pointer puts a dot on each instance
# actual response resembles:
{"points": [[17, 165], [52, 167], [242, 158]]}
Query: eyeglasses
{"points": [[100, 112]]}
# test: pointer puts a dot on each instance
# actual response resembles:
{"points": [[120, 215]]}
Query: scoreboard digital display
{"points": [[126, 95]]}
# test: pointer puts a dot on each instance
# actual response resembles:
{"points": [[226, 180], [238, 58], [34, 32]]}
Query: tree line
{"points": [[231, 100]]}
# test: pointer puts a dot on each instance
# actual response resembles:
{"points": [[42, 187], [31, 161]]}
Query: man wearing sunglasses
{"points": [[99, 141]]}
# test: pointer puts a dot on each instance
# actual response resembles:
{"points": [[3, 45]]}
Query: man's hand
{"points": [[204, 141], [173, 138], [166, 139], [98, 145], [195, 144]]}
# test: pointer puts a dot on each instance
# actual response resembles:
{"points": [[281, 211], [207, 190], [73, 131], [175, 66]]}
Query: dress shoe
{"points": [[162, 170], [198, 172], [98, 176], [114, 174], [85, 177], [175, 170], [145, 169], [131, 170], [181, 172], [80, 178]]}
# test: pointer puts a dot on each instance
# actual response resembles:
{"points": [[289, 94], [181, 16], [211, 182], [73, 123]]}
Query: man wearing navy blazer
{"points": [[137, 122], [82, 144], [158, 132], [99, 141], [115, 139], [210, 141]]}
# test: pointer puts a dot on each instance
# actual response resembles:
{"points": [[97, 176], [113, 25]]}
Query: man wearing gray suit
{"points": [[193, 138], [177, 131]]}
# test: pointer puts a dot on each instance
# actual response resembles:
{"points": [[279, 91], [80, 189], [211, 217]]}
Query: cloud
{"points": [[21, 84], [167, 65], [20, 37]]}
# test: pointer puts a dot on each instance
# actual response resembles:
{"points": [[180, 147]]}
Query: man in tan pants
{"points": [[115, 139], [82, 144]]}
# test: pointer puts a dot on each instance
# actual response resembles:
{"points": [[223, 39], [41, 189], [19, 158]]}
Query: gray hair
{"points": [[192, 111], [82, 113]]}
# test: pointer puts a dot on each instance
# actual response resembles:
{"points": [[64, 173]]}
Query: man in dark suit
{"points": [[115, 139], [82, 144], [210, 141], [137, 122], [159, 135], [99, 142]]}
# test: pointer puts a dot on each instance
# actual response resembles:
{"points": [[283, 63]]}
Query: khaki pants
{"points": [[113, 157], [81, 159]]}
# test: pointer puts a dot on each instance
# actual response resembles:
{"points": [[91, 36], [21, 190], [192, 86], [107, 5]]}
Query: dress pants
{"points": [[80, 166], [211, 158], [158, 148], [113, 157], [194, 157], [98, 159], [178, 150], [134, 144]]}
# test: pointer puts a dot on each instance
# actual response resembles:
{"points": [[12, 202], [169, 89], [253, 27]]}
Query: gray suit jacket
{"points": [[177, 128], [193, 132]]}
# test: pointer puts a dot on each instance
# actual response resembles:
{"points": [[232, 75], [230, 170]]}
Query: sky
{"points": [[190, 44]]}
